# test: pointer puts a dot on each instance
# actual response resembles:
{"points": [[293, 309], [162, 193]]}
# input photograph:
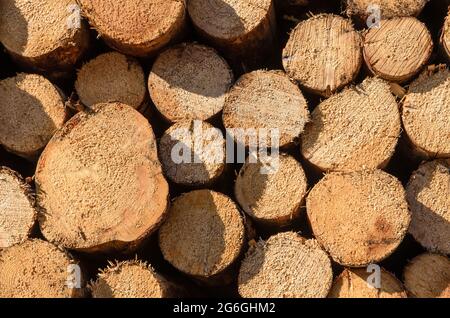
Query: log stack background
{"points": [[365, 175]]}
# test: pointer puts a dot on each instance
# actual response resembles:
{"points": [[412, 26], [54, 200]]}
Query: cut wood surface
{"points": [[130, 279], [111, 77], [285, 266], [428, 276], [266, 100], [370, 216], [388, 8], [357, 283], [37, 269], [272, 193], [399, 49], [189, 82], [428, 194], [31, 110], [38, 33], [99, 181], [426, 112], [354, 130], [323, 54], [137, 28], [17, 212], [192, 154], [203, 235], [243, 30], [445, 37]]}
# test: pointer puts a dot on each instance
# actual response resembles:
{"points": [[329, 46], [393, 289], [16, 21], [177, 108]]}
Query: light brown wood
{"points": [[354, 130], [139, 28], [31, 111], [285, 266], [189, 82], [428, 276], [37, 269], [203, 235], [357, 283], [426, 111], [428, 194], [323, 54], [99, 181], [271, 193], [388, 8], [205, 148], [111, 77], [38, 34], [17, 212], [266, 100], [237, 28], [399, 49], [131, 279], [370, 216]]}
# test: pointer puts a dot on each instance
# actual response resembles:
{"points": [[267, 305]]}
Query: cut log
{"points": [[285, 266], [203, 234], [370, 216], [428, 276], [131, 279], [354, 130], [398, 50], [445, 37], [189, 82], [38, 269], [17, 213], [136, 28], [272, 193], [323, 54], [428, 194], [358, 283], [426, 112], [31, 110], [192, 153], [266, 100], [237, 28], [362, 9], [99, 182], [44, 35], [112, 77]]}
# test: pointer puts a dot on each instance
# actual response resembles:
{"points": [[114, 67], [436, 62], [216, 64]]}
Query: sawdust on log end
{"points": [[99, 181], [362, 9], [354, 130], [357, 283], [323, 54], [272, 192], [130, 279], [428, 194], [285, 266], [428, 276], [37, 269], [238, 28], [399, 49], [192, 153], [136, 28], [266, 100], [31, 111], [426, 113], [111, 77], [370, 216], [38, 34], [189, 82], [203, 235], [17, 215]]}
